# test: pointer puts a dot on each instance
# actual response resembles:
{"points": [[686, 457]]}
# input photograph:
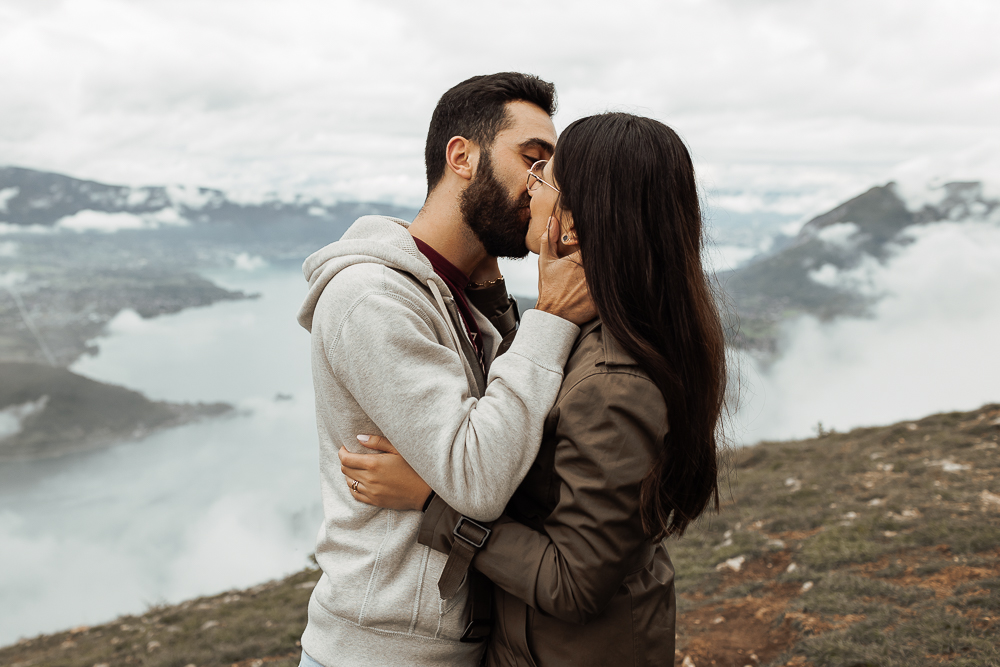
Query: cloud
{"points": [[838, 234], [10, 279], [12, 416], [247, 262], [118, 566], [6, 194], [250, 97], [99, 221], [929, 346], [107, 223]]}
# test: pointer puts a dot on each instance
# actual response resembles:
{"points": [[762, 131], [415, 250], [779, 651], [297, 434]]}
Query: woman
{"points": [[580, 574]]}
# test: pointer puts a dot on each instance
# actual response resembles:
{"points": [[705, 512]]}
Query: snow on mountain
{"points": [[30, 200]]}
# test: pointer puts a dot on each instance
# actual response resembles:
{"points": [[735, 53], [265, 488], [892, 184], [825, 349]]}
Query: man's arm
{"points": [[593, 538], [472, 452]]}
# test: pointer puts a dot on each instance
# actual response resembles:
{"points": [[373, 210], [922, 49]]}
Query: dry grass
{"points": [[249, 628], [876, 547]]}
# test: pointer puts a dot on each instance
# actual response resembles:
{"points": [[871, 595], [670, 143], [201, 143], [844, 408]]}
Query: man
{"points": [[402, 349]]}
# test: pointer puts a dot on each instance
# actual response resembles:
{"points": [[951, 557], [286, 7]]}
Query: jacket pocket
{"points": [[438, 618]]}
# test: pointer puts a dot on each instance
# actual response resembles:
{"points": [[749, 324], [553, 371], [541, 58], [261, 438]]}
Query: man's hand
{"points": [[385, 480], [562, 287]]}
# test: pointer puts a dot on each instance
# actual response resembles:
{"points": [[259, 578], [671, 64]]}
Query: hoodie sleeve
{"points": [[472, 452]]}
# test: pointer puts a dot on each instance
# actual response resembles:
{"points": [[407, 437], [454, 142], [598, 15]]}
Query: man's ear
{"points": [[462, 156], [567, 231]]}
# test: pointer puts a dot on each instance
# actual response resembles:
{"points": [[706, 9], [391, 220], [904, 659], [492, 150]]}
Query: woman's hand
{"points": [[562, 285], [385, 480]]}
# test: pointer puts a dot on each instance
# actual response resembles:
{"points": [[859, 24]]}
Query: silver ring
{"points": [[354, 487]]}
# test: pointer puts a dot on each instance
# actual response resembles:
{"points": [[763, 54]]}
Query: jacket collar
{"points": [[614, 354]]}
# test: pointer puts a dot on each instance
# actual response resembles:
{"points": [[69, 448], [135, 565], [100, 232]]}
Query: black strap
{"points": [[510, 318], [469, 538]]}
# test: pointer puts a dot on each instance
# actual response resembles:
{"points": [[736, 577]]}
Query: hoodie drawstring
{"points": [[444, 311]]}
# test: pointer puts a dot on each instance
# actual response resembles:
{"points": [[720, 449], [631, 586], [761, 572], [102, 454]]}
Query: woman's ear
{"points": [[567, 231], [461, 156]]}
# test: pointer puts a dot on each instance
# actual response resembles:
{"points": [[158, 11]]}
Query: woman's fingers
{"points": [[545, 243], [562, 282], [377, 442], [352, 461], [544, 255], [358, 490]]}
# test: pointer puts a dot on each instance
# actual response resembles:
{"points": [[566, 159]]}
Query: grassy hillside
{"points": [[876, 547]]}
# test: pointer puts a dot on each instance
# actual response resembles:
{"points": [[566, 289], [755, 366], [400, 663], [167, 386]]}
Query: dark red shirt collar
{"points": [[448, 271], [456, 282]]}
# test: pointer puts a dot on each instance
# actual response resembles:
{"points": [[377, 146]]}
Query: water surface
{"points": [[195, 510]]}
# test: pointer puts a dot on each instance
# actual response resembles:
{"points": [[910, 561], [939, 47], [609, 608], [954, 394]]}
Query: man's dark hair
{"points": [[476, 109]]}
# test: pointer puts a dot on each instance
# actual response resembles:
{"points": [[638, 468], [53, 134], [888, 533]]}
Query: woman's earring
{"points": [[565, 238]]}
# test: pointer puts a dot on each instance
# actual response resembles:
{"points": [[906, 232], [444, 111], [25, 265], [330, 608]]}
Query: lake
{"points": [[195, 510]]}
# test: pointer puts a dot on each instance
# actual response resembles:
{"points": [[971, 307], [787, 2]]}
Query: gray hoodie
{"points": [[390, 357]]}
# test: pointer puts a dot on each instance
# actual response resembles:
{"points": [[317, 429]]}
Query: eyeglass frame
{"points": [[531, 174]]}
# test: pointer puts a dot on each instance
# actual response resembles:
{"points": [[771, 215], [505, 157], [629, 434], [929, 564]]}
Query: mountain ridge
{"points": [[29, 197], [785, 282]]}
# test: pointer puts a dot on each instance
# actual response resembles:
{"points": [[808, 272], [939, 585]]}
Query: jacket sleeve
{"points": [[608, 429], [472, 452]]}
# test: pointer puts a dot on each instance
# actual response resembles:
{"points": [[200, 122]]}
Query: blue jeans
{"points": [[306, 661]]}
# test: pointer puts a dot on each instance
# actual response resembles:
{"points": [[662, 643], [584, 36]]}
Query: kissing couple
{"points": [[496, 486]]}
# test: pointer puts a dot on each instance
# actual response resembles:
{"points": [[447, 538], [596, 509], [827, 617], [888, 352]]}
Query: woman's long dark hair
{"points": [[629, 183]]}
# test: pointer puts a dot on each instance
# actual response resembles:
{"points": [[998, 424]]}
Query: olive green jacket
{"points": [[576, 581]]}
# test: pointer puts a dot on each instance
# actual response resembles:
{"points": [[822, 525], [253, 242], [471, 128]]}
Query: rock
{"points": [[734, 564]]}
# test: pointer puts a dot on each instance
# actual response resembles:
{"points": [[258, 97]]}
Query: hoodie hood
{"points": [[375, 239]]}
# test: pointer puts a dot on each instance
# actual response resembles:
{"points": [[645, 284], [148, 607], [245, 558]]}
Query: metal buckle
{"points": [[466, 520]]}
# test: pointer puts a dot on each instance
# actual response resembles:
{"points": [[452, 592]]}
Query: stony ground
{"points": [[876, 547]]}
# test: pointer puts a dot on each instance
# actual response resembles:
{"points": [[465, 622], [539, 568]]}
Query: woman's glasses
{"points": [[534, 179]]}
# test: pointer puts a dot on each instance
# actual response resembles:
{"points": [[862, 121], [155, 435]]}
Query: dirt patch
{"points": [[746, 631], [943, 582]]}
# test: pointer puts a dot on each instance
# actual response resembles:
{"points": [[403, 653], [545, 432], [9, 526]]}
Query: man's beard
{"points": [[492, 215]]}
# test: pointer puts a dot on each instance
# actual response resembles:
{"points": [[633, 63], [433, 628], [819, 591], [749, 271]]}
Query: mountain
{"points": [[73, 253], [38, 198], [191, 224], [794, 278], [47, 412]]}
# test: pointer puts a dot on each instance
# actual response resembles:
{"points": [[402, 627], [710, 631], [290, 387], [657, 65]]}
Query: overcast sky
{"points": [[788, 105]]}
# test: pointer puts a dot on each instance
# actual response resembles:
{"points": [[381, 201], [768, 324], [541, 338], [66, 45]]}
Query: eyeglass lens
{"points": [[536, 172]]}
